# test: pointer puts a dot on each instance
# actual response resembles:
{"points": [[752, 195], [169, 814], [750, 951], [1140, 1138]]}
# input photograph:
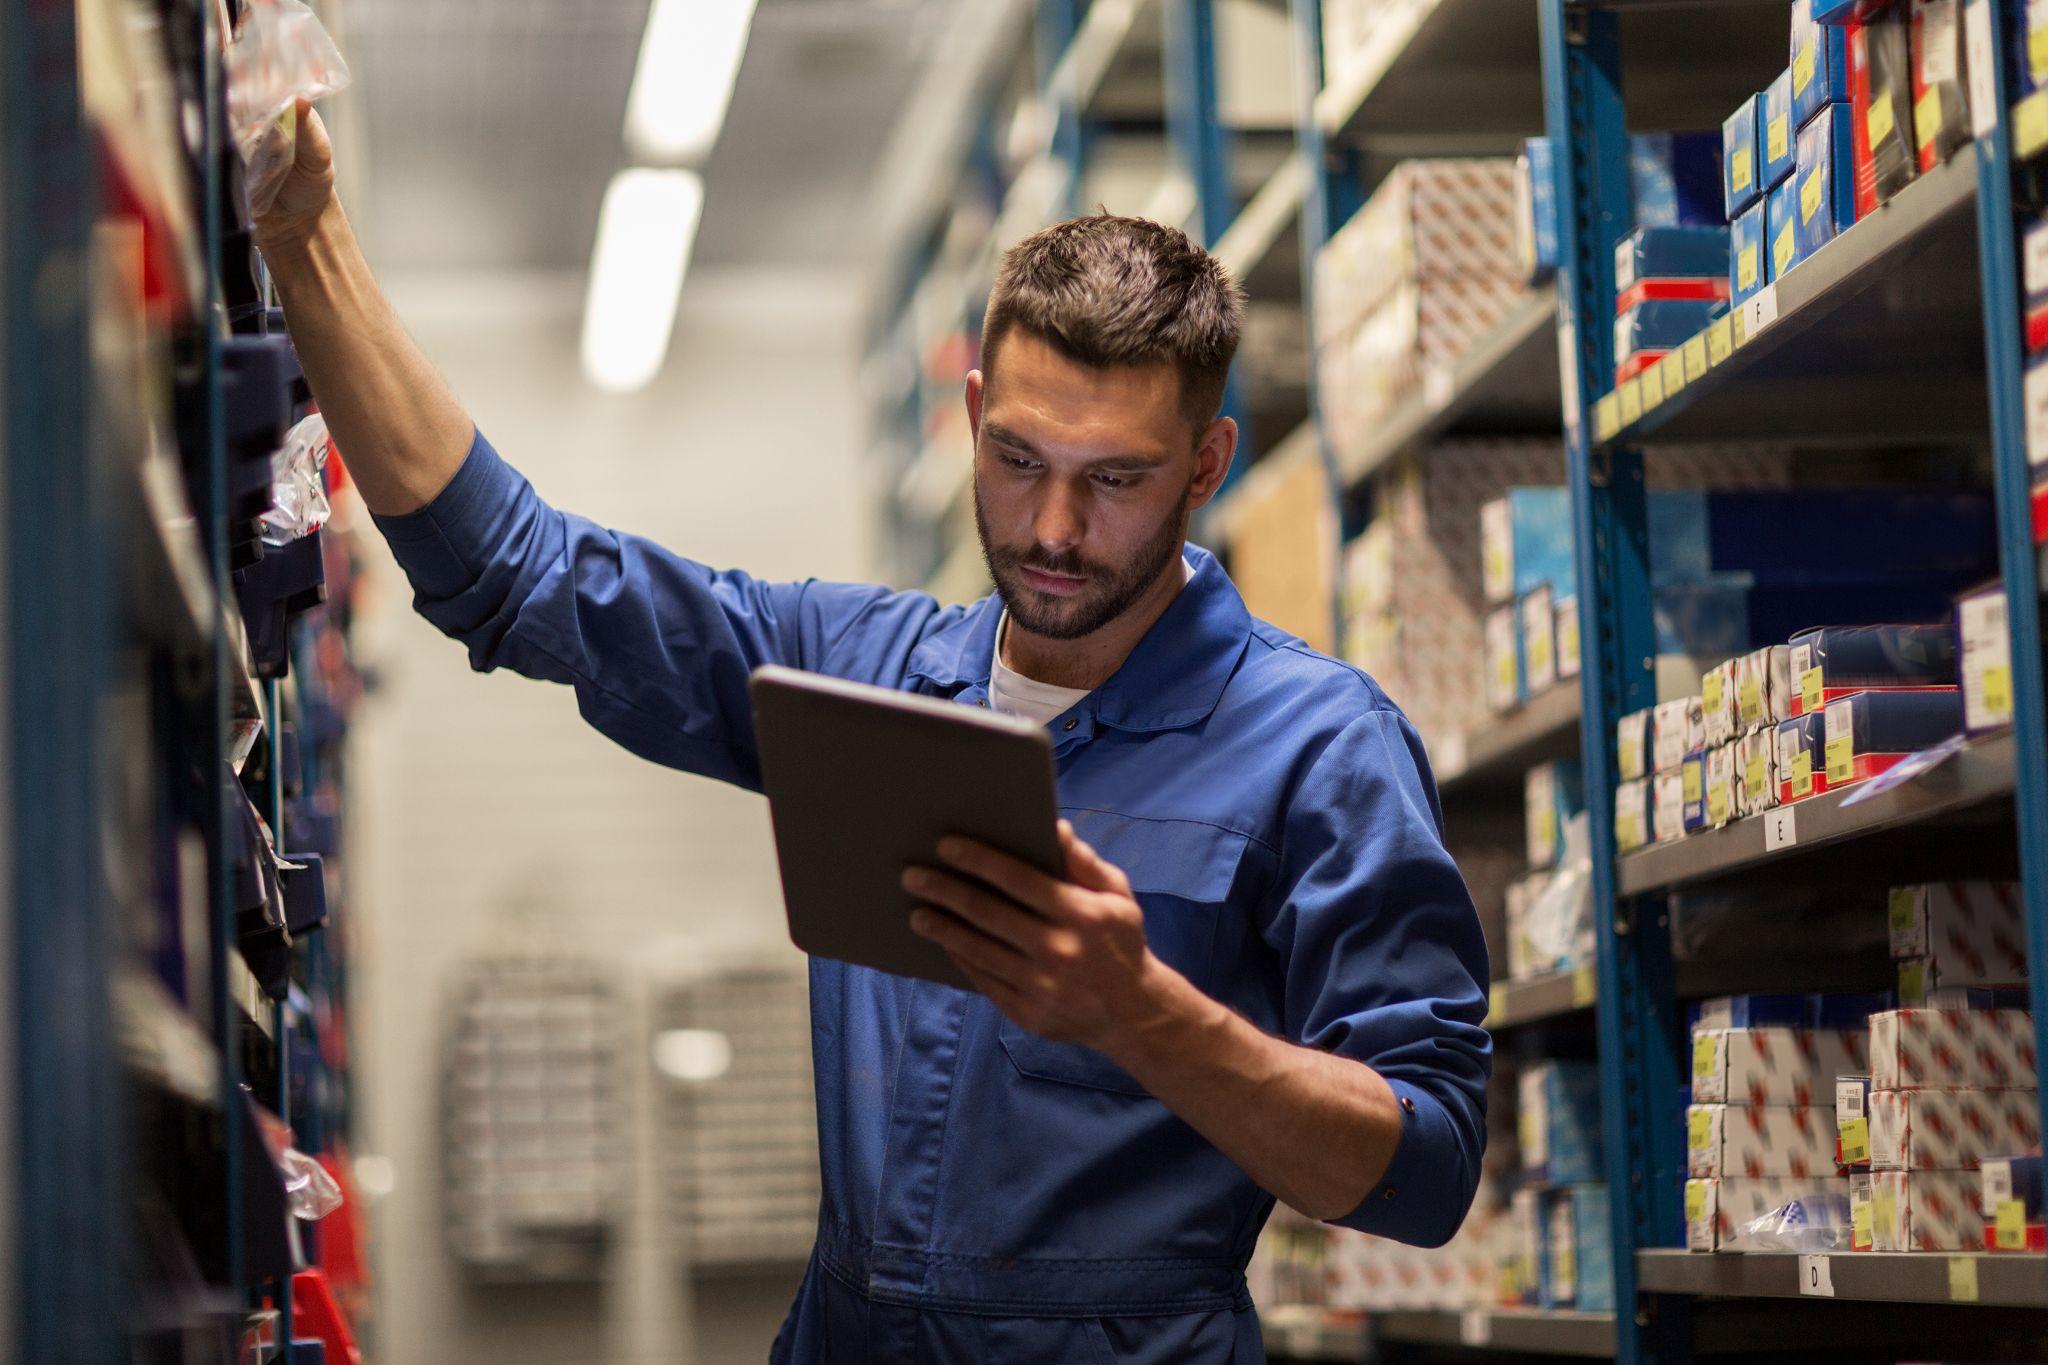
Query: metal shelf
{"points": [[1982, 773], [1876, 337], [1506, 383], [1300, 1333], [2010, 1279], [1553, 995], [1264, 220], [1498, 753], [1527, 1331]]}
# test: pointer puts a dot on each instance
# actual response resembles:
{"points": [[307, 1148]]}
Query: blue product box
{"points": [[1595, 1244], [1675, 179], [1848, 1012], [1742, 157], [1781, 536], [1820, 63], [1774, 132], [1753, 1011], [1559, 1122], [1834, 661], [1552, 793], [1525, 542], [1652, 253], [1535, 210], [1781, 230], [1867, 733], [1662, 325], [1802, 759], [1748, 261], [1827, 179], [1732, 616], [1693, 775], [1836, 11], [2013, 1177]]}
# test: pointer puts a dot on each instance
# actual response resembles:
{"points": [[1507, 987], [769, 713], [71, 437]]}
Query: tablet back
{"points": [[864, 781]]}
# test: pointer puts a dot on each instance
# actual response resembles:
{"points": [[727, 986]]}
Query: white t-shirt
{"points": [[1013, 694]]}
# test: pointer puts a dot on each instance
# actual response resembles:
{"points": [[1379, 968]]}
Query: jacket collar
{"points": [[1173, 678]]}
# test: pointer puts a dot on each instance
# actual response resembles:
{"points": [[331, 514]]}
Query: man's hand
{"points": [[1066, 960], [308, 188]]}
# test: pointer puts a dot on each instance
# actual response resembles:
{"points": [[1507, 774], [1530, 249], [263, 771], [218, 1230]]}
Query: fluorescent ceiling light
{"points": [[689, 57], [644, 234]]}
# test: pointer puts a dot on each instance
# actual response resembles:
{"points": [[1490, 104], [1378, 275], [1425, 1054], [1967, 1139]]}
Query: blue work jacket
{"points": [[990, 1195]]}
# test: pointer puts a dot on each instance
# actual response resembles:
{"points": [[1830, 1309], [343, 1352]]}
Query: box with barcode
{"points": [[1536, 637], [1719, 1210], [1928, 1130], [1678, 728], [1717, 703], [1773, 1065], [1985, 659], [1941, 113], [1741, 158], [1925, 1211], [1719, 773], [1558, 1122], [1820, 63], [2012, 1180], [1756, 772], [1870, 733], [1852, 1120], [1632, 745], [1922, 1049], [1759, 1140], [1802, 765], [1836, 661], [1975, 931], [1503, 661], [1763, 688], [1632, 819], [1667, 807], [1860, 1213]]}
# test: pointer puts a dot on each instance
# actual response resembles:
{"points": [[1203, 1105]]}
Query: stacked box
{"points": [[1749, 262], [1756, 772], [1763, 688], [1632, 745], [1525, 539], [1826, 177], [1881, 86], [1558, 1122], [1924, 1049], [1678, 728], [1941, 112], [1717, 703], [1742, 160], [1852, 1120], [1717, 1210], [2010, 1188], [1984, 661], [1671, 264], [1634, 824], [1721, 793], [1781, 228], [1667, 806], [1802, 759], [1578, 1263], [1950, 1130], [1820, 64], [1871, 732], [1504, 688], [1965, 933], [1760, 1066], [1839, 661], [1925, 1211], [1777, 132], [1759, 1140], [1552, 793], [1646, 332], [1692, 775]]}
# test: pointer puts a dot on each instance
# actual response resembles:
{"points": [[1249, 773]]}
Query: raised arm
{"points": [[403, 430]]}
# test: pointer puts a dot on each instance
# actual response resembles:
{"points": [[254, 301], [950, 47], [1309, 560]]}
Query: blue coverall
{"points": [[988, 1195]]}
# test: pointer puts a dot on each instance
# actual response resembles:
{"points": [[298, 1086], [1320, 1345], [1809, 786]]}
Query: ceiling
{"points": [[486, 132]]}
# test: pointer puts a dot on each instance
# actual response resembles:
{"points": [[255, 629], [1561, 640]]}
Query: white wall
{"points": [[484, 813]]}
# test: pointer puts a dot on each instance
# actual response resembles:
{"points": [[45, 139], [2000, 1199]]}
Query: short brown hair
{"points": [[1106, 291]]}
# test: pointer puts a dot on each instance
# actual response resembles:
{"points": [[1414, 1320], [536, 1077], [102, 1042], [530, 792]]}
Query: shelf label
{"points": [[1962, 1279], [1759, 311], [1673, 366], [1983, 88], [1781, 829], [1695, 350], [1720, 341], [1607, 417], [1582, 987], [1475, 1327], [2030, 125], [1496, 998], [1631, 403], [1651, 382], [1816, 1276]]}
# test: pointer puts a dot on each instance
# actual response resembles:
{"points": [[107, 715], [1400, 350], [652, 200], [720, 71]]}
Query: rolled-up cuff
{"points": [[444, 546]]}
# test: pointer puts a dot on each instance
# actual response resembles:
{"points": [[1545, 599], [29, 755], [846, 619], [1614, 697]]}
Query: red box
{"points": [[1636, 364], [1643, 291]]}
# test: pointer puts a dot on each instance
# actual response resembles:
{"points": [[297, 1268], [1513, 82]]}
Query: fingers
{"points": [[973, 951], [1087, 867], [1015, 878], [983, 909]]}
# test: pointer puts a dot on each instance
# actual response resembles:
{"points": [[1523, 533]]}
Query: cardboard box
{"points": [[1675, 254], [1525, 540], [1772, 1065], [1748, 267], [1742, 159], [1881, 75], [1675, 179], [1526, 958], [1840, 661], [1535, 211], [1763, 688], [1949, 1130], [1984, 659], [1677, 728], [1759, 1140], [1552, 793], [2011, 1180], [1717, 1211], [1717, 703], [1776, 130], [1503, 661], [1756, 772], [1720, 782], [1820, 64], [1976, 929], [1632, 745], [1692, 777], [1869, 733], [1581, 1251], [1667, 806], [1632, 820], [1827, 179], [1568, 654], [1802, 759], [1558, 1122], [1660, 325], [1861, 1215], [1852, 1120], [1941, 110], [1923, 1049], [1925, 1211], [1781, 229]]}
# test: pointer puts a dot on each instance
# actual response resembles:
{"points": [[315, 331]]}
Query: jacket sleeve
{"points": [[1385, 963], [658, 648]]}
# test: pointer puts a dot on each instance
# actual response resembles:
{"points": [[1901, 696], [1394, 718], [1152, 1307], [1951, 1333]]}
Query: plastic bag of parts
{"points": [[280, 55], [1561, 921], [310, 1192], [298, 498], [1818, 1222]]}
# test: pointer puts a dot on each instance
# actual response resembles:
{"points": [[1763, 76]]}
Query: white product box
{"points": [[1717, 703], [1938, 1130], [1667, 806], [1678, 728], [1503, 672], [1925, 1211], [1539, 639], [1756, 772], [1720, 790], [1763, 688], [1852, 1119], [1974, 930], [1772, 1065], [1632, 745], [1921, 1049], [1860, 1212], [1568, 654], [1716, 1210], [1759, 1140], [1632, 825], [1986, 664]]}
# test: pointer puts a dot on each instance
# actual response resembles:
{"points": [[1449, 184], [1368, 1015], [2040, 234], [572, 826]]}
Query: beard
{"points": [[1108, 593]]}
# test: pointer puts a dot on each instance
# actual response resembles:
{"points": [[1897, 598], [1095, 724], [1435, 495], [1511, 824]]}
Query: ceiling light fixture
{"points": [[689, 58], [644, 233]]}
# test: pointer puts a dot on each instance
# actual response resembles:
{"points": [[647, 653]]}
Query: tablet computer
{"points": [[864, 781]]}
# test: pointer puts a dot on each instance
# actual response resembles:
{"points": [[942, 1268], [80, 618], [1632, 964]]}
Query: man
{"points": [[1261, 974]]}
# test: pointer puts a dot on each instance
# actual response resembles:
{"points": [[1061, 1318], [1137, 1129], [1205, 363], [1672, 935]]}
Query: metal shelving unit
{"points": [[2011, 1279]]}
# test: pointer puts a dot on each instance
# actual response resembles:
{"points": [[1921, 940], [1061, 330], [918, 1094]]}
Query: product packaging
{"points": [[1568, 655], [1525, 958], [1950, 1130], [1525, 542], [1777, 129], [1881, 69], [1760, 1140], [1802, 759], [1763, 688], [1675, 179], [1503, 666], [1756, 772], [1925, 1211], [1772, 1065], [1721, 790], [2011, 1180], [1717, 703], [1719, 1212], [1558, 1122], [1552, 793], [1852, 1120], [1985, 659], [1976, 930], [1632, 745], [1742, 159], [1692, 778], [1840, 661], [1781, 228], [1657, 327], [1868, 733], [1924, 1049], [1860, 1214], [1536, 639], [1667, 806], [1941, 111], [1677, 728], [1670, 263], [1820, 64], [1827, 179], [1748, 266], [1592, 1247], [1632, 826], [1535, 211]]}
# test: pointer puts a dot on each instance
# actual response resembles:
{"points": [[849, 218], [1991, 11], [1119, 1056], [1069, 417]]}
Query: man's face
{"points": [[1084, 480]]}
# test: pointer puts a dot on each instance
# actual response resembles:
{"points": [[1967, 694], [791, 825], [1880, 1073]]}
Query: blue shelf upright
{"points": [[1638, 1023]]}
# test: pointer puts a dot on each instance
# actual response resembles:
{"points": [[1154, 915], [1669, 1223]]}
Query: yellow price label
{"points": [[1841, 755], [1998, 690], [2037, 52], [1856, 1140], [1927, 116], [1720, 341], [1881, 121], [1631, 402], [1749, 700], [2010, 1225], [1738, 328], [1810, 191], [1810, 689], [1504, 673], [1628, 831], [2030, 116], [1607, 417], [1651, 381], [1673, 366], [1695, 1200], [1903, 907], [1695, 352], [1884, 1212], [1582, 986], [1778, 138], [1802, 774], [1755, 773], [1913, 981], [1704, 1063], [1710, 689], [1720, 803], [1746, 268], [1740, 170], [1962, 1279], [1691, 776], [1496, 996], [1699, 1129], [1859, 1225], [1784, 250], [1802, 68], [1528, 1131]]}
